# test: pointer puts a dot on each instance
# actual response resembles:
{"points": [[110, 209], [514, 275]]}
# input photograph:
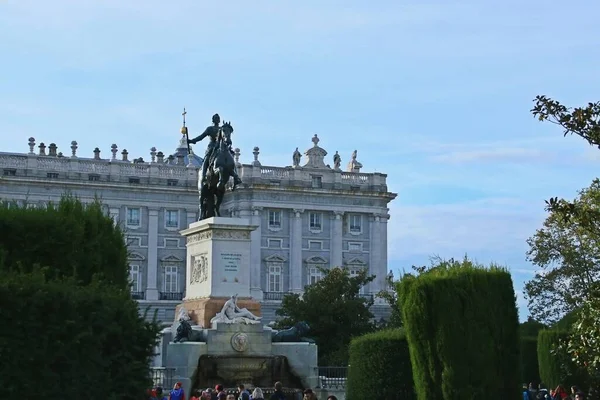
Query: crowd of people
{"points": [[219, 393], [540, 392]]}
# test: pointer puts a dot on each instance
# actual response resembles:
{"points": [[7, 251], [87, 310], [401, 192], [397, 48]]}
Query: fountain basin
{"points": [[239, 353]]}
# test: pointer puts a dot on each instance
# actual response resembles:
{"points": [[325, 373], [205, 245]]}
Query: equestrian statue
{"points": [[218, 166]]}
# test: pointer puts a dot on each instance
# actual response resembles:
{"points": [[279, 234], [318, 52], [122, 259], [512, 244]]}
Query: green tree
{"points": [[70, 238], [335, 311], [391, 298], [461, 323], [583, 343], [568, 255], [531, 327], [528, 352], [571, 243], [380, 366], [71, 340]]}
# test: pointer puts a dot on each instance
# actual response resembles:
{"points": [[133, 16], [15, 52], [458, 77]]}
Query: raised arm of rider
{"points": [[199, 138]]}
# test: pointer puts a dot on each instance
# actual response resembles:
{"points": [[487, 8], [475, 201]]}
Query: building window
{"points": [[315, 245], [172, 219], [315, 222], [10, 172], [133, 241], [275, 219], [314, 275], [274, 243], [171, 182], [317, 181], [355, 247], [93, 177], [171, 242], [355, 223], [135, 276], [170, 279], [275, 277], [52, 175], [135, 181], [134, 217]]}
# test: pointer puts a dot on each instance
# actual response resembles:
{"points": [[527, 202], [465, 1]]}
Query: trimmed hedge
{"points": [[62, 339], [72, 239], [557, 368], [528, 354], [380, 366], [461, 324]]}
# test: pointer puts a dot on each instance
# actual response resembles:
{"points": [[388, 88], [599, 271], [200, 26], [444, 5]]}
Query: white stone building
{"points": [[309, 215]]}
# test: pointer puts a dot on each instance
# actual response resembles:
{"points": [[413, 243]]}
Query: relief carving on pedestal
{"points": [[198, 237], [239, 342], [227, 234], [199, 271]]}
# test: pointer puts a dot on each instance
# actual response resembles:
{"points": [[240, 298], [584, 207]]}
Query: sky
{"points": [[436, 94]]}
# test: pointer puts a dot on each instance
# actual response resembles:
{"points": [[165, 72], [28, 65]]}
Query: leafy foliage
{"points": [[556, 366], [334, 310], [583, 343], [577, 243], [581, 121], [528, 334], [528, 359], [391, 298], [72, 239], [71, 339], [461, 323], [568, 255], [531, 327], [380, 366]]}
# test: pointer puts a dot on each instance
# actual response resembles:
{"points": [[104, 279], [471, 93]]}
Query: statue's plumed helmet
{"points": [[216, 118]]}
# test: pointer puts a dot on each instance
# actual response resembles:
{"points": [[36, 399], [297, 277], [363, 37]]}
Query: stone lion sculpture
{"points": [[295, 334], [185, 333]]}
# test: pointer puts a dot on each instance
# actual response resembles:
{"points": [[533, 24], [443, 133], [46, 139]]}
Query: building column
{"points": [[114, 214], [296, 252], [256, 254], [336, 239], [375, 254], [152, 288], [383, 268]]}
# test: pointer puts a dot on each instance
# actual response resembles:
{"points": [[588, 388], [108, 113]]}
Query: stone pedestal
{"points": [[217, 267]]}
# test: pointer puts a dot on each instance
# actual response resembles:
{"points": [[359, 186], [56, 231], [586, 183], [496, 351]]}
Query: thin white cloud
{"points": [[506, 154], [492, 225]]}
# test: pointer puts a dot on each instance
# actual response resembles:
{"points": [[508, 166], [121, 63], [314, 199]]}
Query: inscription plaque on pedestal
{"points": [[230, 263]]}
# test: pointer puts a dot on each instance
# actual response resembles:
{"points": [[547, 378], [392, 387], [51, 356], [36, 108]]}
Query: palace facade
{"points": [[309, 215]]}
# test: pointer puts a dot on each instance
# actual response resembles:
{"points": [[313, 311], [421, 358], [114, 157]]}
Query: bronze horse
{"points": [[219, 172]]}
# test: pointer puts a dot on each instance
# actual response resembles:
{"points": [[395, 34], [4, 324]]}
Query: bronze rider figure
{"points": [[212, 132]]}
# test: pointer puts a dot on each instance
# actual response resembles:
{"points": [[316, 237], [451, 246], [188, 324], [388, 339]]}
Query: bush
{"points": [[528, 356], [380, 366], [555, 366], [72, 239], [461, 325], [62, 340]]}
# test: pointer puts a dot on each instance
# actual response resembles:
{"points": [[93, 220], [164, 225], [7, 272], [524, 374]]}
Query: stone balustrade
{"points": [[179, 170], [35, 166], [325, 178]]}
